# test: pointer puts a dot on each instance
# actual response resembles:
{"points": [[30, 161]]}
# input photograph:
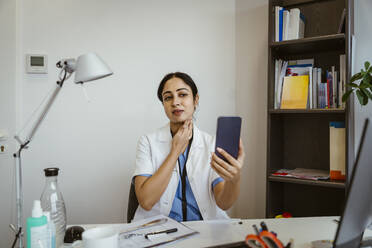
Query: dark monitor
{"points": [[358, 208]]}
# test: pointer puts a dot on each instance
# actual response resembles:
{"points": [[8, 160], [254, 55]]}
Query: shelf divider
{"points": [[324, 43], [305, 111], [322, 183]]}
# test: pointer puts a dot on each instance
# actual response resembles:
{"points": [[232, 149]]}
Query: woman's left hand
{"points": [[230, 170]]}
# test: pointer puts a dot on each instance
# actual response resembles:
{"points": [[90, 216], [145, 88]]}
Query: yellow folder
{"points": [[295, 92]]}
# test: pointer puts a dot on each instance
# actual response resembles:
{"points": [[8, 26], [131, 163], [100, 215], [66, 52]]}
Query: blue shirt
{"points": [[193, 212]]}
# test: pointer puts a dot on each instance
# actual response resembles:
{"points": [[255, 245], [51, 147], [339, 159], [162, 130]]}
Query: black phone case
{"points": [[228, 135]]}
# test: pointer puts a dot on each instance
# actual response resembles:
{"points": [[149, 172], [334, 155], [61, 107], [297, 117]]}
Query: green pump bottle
{"points": [[37, 232]]}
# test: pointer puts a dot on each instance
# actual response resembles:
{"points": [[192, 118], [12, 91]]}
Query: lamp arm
{"points": [[45, 111]]}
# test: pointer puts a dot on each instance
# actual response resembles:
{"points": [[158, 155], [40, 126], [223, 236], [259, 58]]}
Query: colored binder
{"points": [[337, 150], [281, 24], [295, 92]]}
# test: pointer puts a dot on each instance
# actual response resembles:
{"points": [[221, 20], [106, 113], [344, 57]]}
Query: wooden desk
{"points": [[229, 233]]}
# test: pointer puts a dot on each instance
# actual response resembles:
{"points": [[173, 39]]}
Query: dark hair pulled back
{"points": [[181, 75]]}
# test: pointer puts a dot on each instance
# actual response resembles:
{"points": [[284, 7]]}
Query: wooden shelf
{"points": [[325, 43], [302, 136], [322, 183], [307, 111], [296, 3]]}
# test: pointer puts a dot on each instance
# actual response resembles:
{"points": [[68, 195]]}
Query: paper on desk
{"points": [[136, 238]]}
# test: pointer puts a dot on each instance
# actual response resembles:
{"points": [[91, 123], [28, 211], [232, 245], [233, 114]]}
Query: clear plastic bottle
{"points": [[51, 231], [52, 201]]}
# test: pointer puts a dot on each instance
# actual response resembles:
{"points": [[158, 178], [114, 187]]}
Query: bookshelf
{"points": [[299, 138]]}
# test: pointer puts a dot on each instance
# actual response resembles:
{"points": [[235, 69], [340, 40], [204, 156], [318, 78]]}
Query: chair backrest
{"points": [[132, 203]]}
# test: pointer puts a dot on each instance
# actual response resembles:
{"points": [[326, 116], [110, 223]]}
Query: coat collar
{"points": [[164, 136]]}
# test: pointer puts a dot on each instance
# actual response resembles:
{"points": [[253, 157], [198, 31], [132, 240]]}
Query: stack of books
{"points": [[299, 85], [289, 24]]}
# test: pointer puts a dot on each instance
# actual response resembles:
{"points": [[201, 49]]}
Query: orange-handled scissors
{"points": [[264, 239]]}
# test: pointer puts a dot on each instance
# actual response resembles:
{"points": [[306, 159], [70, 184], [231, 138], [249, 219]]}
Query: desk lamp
{"points": [[87, 67]]}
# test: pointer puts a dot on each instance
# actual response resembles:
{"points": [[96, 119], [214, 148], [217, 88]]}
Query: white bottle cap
{"points": [[47, 214], [37, 212]]}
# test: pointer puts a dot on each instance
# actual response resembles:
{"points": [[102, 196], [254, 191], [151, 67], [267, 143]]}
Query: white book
{"points": [[321, 96], [277, 9], [296, 24], [276, 83], [325, 96], [278, 92], [334, 88], [310, 88], [281, 78], [294, 15], [339, 91], [285, 24], [290, 26], [326, 92]]}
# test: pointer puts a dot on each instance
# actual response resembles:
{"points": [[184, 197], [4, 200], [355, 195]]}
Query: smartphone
{"points": [[228, 135]]}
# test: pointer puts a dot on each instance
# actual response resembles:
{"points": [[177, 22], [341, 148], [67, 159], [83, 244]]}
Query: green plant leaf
{"points": [[346, 95], [364, 85], [353, 85], [362, 98], [370, 70], [366, 65], [365, 100], [367, 78], [366, 81], [367, 93], [356, 76]]}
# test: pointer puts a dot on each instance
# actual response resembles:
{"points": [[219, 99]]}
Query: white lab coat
{"points": [[153, 149]]}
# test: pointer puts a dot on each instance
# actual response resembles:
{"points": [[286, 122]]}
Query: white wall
{"points": [[362, 53], [251, 102], [221, 44], [94, 143], [7, 115]]}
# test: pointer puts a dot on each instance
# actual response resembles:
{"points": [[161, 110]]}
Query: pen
{"points": [[146, 225], [263, 225], [256, 230], [165, 231]]}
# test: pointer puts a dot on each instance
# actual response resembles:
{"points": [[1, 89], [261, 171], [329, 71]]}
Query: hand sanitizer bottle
{"points": [[51, 231], [36, 227]]}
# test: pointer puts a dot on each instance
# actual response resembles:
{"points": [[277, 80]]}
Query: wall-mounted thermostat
{"points": [[36, 63]]}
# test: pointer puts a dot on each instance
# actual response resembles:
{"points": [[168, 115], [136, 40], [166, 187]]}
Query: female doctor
{"points": [[177, 173]]}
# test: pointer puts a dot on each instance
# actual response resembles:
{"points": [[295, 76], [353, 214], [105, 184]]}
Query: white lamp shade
{"points": [[90, 67]]}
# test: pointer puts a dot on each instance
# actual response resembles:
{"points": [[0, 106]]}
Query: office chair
{"points": [[132, 203]]}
